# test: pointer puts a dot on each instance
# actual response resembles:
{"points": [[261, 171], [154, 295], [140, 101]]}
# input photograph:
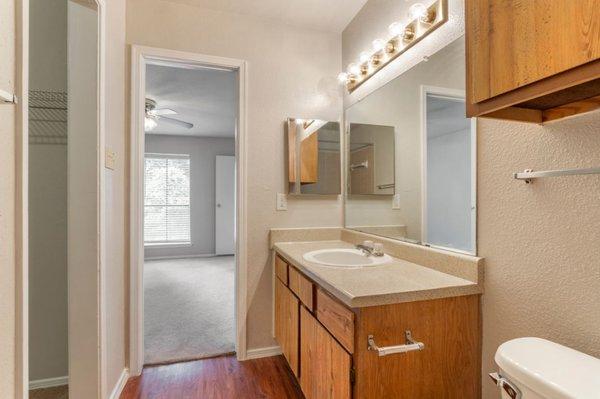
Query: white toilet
{"points": [[534, 368]]}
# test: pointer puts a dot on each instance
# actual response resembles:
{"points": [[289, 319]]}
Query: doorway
{"points": [[449, 171], [188, 156], [64, 207]]}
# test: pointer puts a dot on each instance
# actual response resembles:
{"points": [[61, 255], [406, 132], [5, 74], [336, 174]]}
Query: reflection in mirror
{"points": [[411, 144], [314, 156]]}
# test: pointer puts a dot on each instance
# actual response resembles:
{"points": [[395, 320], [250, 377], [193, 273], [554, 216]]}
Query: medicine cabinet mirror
{"points": [[410, 157], [314, 156]]}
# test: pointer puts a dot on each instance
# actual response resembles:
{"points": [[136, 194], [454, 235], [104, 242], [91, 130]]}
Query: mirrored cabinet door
{"points": [[314, 156]]}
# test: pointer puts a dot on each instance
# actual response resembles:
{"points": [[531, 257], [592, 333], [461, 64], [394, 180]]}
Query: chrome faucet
{"points": [[369, 248]]}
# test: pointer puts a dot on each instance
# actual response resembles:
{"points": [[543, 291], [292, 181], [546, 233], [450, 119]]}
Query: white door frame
{"points": [[140, 57], [452, 94], [22, 203]]}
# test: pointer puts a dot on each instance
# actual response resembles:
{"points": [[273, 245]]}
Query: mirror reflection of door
{"points": [[450, 211]]}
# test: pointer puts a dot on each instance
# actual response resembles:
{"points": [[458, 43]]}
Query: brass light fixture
{"points": [[423, 21]]}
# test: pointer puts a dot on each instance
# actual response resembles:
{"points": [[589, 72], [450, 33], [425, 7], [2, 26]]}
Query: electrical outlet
{"points": [[281, 202], [396, 201]]}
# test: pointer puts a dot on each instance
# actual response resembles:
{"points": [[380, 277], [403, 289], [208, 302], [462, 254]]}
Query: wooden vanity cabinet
{"points": [[533, 61], [326, 344]]}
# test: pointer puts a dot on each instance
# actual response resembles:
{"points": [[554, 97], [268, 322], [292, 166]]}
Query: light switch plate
{"points": [[396, 201], [110, 159], [281, 202]]}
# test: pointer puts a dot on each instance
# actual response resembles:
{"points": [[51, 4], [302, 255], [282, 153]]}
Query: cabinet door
{"points": [[309, 159], [286, 323], [324, 364], [512, 43]]}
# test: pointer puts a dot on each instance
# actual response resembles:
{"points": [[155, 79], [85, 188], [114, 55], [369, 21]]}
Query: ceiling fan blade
{"points": [[186, 125], [162, 111]]}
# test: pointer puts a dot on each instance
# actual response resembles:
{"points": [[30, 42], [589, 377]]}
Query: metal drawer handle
{"points": [[411, 345], [505, 384]]}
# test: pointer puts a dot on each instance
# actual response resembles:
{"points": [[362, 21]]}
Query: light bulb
{"points": [[342, 77], [354, 69], [378, 44], [364, 57], [149, 124], [417, 11], [395, 29]]}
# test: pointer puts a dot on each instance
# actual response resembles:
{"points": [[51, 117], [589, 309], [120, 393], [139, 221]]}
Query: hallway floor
{"points": [[189, 310], [216, 378]]}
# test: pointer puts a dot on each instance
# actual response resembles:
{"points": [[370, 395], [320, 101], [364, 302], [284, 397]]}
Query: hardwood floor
{"points": [[217, 378]]}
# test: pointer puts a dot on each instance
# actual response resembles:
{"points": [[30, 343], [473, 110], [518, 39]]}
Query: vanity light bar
{"points": [[424, 20]]}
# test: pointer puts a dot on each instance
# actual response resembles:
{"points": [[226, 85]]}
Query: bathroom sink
{"points": [[345, 257]]}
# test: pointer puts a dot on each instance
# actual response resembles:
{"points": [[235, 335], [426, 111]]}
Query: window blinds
{"points": [[167, 199]]}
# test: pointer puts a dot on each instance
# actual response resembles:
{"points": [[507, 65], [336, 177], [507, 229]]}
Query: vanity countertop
{"points": [[395, 282]]}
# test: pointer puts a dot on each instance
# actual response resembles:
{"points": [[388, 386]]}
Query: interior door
{"points": [[225, 205]]}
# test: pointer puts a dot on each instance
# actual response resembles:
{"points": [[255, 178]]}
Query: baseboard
{"points": [[49, 382], [116, 392], [179, 256], [263, 352]]}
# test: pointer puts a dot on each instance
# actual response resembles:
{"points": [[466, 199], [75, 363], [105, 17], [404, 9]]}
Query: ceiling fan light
{"points": [[149, 124]]}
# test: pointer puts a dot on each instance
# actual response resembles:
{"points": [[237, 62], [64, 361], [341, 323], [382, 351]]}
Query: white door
{"points": [[225, 205]]}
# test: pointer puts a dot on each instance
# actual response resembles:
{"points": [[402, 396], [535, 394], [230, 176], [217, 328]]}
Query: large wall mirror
{"points": [[410, 164], [314, 156]]}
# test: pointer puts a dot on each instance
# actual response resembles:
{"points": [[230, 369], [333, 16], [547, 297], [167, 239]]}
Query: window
{"points": [[166, 199]]}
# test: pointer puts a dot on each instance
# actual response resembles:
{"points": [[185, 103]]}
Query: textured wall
{"points": [[291, 72], [541, 242], [7, 203]]}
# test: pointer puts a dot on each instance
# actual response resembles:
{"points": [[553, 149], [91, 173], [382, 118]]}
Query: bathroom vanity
{"points": [[394, 330]]}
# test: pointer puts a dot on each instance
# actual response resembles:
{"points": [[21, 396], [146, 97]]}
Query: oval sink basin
{"points": [[345, 257]]}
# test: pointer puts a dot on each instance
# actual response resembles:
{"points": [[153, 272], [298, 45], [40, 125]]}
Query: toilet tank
{"points": [[541, 369]]}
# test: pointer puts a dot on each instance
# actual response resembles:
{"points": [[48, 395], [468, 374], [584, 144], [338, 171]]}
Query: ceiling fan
{"points": [[153, 115]]}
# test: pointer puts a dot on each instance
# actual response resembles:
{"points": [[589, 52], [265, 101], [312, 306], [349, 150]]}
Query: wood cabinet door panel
{"points": [[287, 324], [512, 43], [324, 364], [448, 367], [309, 159]]}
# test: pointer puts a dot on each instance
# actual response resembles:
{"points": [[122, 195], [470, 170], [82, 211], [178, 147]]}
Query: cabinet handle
{"points": [[409, 346]]}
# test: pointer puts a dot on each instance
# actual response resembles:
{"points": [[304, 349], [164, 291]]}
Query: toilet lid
{"points": [[549, 369]]}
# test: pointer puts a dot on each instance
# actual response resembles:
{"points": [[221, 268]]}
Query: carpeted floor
{"points": [[188, 308], [60, 392]]}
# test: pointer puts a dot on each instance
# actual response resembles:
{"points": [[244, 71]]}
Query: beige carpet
{"points": [[188, 308], [61, 392]]}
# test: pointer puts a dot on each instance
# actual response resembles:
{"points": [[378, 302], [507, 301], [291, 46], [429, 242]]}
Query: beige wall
{"points": [[539, 241], [291, 72], [7, 202], [116, 194]]}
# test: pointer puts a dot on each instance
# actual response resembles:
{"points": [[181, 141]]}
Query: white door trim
{"points": [[140, 56], [458, 95]]}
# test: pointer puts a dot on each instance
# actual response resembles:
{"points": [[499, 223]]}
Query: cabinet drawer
{"points": [[337, 318], [281, 269], [302, 287]]}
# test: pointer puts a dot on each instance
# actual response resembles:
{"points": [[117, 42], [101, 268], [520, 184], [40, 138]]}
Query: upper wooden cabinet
{"points": [[532, 60]]}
